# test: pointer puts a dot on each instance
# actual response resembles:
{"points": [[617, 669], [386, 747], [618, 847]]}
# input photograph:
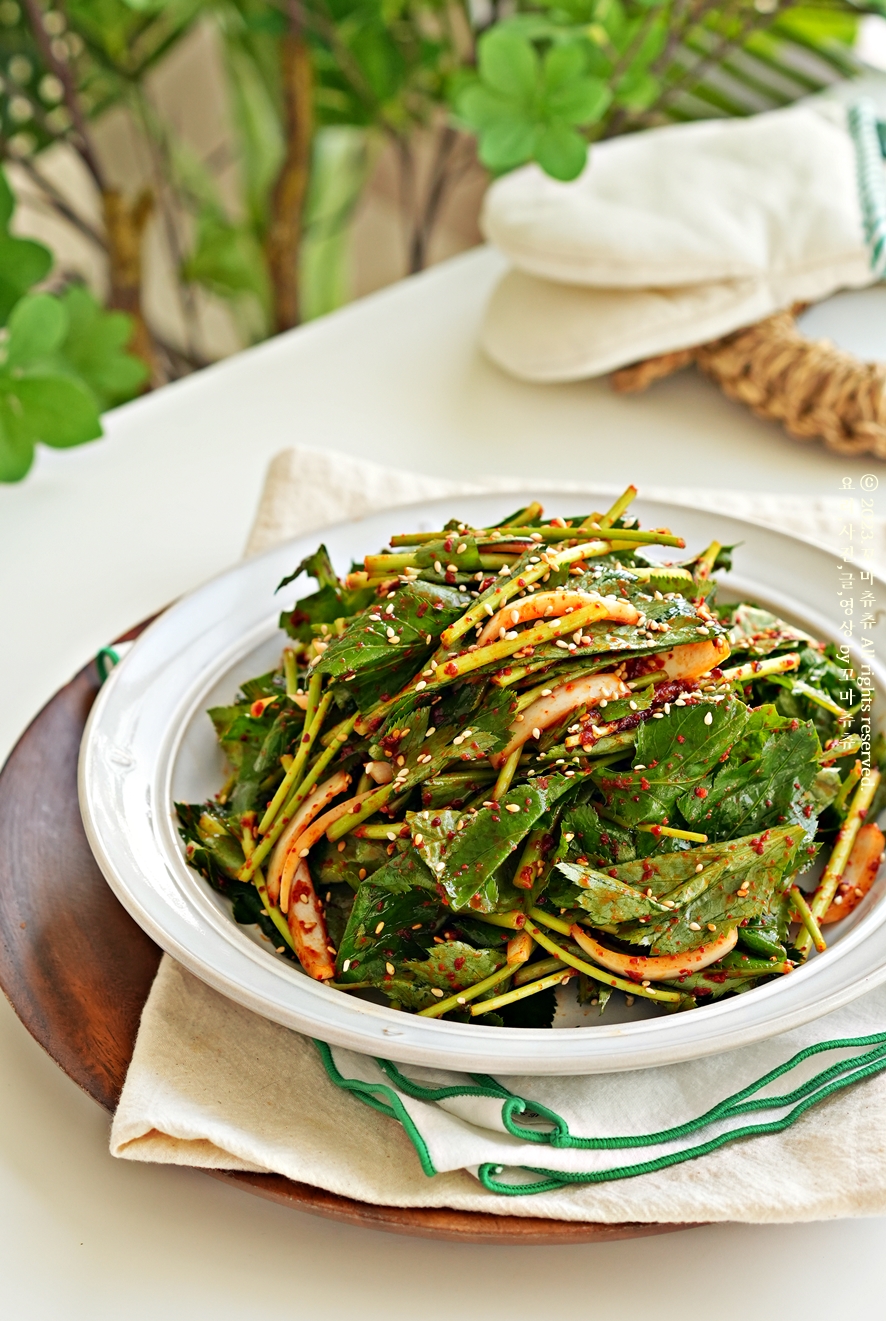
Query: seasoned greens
{"points": [[494, 760]]}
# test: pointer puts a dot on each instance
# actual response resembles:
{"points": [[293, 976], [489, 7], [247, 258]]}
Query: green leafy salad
{"points": [[495, 761]]}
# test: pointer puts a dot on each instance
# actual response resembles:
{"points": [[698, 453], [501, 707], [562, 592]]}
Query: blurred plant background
{"points": [[195, 175]]}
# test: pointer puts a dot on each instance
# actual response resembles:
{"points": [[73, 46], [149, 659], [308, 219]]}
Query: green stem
{"points": [[345, 824], [621, 504], [495, 597], [470, 992], [272, 910], [846, 788], [760, 669], [291, 673], [527, 515], [807, 917], [313, 723], [263, 849], [509, 997], [382, 831], [314, 685], [541, 968], [505, 775], [846, 837], [512, 921], [548, 920], [546, 536], [841, 747], [630, 988], [449, 670]]}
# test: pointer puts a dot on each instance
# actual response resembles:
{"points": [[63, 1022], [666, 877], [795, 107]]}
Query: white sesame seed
{"points": [[430, 731], [389, 969], [460, 1000], [536, 733], [418, 840], [667, 708], [435, 990], [709, 718], [460, 550], [438, 567], [380, 928], [699, 867], [632, 705], [712, 926], [561, 643], [422, 683], [487, 606], [569, 836], [512, 807], [693, 926], [346, 965], [303, 853], [441, 866]]}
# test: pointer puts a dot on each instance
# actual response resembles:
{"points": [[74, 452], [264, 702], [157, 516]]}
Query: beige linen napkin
{"points": [[213, 1085]]}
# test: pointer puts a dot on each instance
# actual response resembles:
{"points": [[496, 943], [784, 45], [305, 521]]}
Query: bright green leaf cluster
{"points": [[529, 107], [62, 358]]}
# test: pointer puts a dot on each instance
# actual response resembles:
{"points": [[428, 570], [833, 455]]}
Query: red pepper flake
{"points": [[452, 668], [644, 783], [680, 738], [701, 793]]}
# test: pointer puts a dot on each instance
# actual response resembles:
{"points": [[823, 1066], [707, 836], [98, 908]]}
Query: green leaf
{"points": [[762, 864], [95, 347], [53, 409], [508, 64], [37, 327], [581, 102], [563, 64], [402, 900], [676, 754], [453, 966], [16, 443], [23, 263], [7, 202], [561, 152], [504, 146], [465, 862], [764, 783], [483, 108], [382, 664], [605, 899]]}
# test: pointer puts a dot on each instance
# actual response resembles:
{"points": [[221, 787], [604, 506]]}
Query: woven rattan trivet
{"points": [[814, 389]]}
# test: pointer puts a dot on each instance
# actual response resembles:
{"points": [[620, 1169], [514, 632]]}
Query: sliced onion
{"points": [[551, 605], [664, 967], [316, 800]]}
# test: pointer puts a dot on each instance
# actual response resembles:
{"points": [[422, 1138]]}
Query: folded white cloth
{"points": [[680, 234], [213, 1085]]}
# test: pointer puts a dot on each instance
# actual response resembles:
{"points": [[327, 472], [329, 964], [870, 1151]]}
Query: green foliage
{"points": [[526, 106]]}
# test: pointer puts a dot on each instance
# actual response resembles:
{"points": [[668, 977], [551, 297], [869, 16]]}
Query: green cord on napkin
{"points": [[392, 1099]]}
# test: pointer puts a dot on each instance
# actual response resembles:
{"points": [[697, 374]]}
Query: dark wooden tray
{"points": [[77, 971]]}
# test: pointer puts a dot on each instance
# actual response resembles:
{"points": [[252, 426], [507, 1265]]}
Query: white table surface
{"points": [[96, 539]]}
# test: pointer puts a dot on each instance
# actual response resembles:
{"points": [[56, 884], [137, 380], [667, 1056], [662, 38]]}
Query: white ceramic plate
{"points": [[149, 743]]}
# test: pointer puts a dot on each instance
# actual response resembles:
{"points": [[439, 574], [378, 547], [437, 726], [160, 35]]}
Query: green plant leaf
{"points": [[504, 146], [16, 444], [508, 64], [23, 263], [58, 411], [563, 65], [95, 348], [37, 327], [561, 152], [581, 102]]}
